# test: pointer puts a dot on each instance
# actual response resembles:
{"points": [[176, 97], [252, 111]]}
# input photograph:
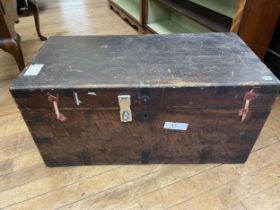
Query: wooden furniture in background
{"points": [[32, 4], [238, 16], [177, 16], [25, 8], [253, 20], [9, 38], [258, 24], [134, 14]]}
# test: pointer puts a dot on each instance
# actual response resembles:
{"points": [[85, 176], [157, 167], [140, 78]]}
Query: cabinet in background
{"points": [[253, 20]]}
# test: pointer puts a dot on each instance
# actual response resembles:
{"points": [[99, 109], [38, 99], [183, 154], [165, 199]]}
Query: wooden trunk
{"points": [[196, 98]]}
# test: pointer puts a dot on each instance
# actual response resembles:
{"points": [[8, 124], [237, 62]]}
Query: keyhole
{"points": [[125, 116], [145, 116]]}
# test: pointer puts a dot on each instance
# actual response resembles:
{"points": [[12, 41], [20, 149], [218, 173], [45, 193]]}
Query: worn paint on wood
{"points": [[184, 60], [199, 79]]}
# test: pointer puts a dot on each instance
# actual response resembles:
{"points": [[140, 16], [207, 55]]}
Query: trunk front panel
{"points": [[92, 132]]}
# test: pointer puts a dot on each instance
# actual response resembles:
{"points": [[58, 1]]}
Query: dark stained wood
{"points": [[97, 137], [175, 97], [202, 60], [206, 87], [13, 47], [215, 21], [9, 39], [144, 12], [258, 24]]}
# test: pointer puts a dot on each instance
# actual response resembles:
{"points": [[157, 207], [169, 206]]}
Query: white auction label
{"points": [[267, 78], [176, 126], [33, 70]]}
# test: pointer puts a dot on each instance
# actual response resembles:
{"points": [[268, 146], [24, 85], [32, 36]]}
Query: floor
{"points": [[26, 183]]}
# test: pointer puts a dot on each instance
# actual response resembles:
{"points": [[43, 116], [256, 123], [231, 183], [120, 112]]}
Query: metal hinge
{"points": [[125, 111]]}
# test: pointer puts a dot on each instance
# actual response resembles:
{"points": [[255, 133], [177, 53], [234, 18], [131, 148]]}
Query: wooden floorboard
{"points": [[26, 183]]}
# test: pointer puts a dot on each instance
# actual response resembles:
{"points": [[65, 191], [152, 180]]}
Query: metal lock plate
{"points": [[125, 111]]}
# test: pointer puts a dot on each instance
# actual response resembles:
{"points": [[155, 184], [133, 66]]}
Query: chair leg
{"points": [[18, 55], [13, 47], [34, 8]]}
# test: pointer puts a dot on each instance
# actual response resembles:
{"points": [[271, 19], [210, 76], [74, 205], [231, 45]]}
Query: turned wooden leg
{"points": [[34, 8], [12, 46]]}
